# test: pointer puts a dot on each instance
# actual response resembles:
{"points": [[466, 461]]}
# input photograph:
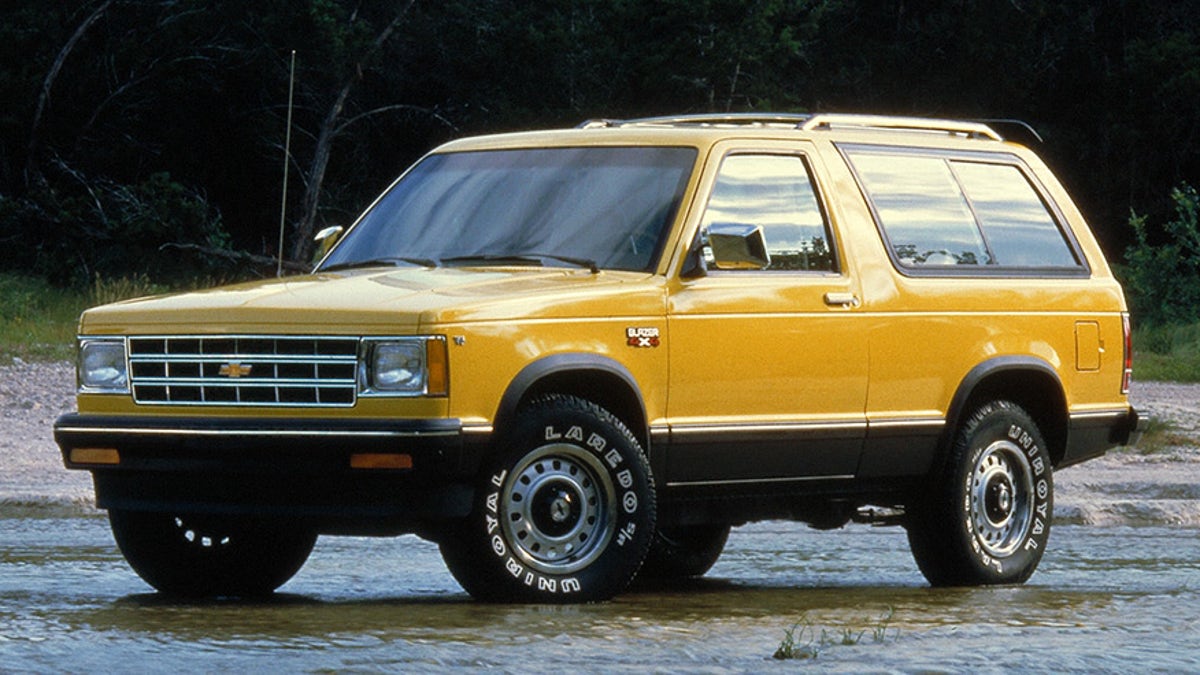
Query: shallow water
{"points": [[1108, 599]]}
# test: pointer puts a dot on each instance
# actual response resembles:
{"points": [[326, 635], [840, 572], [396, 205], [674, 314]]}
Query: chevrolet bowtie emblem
{"points": [[235, 370]]}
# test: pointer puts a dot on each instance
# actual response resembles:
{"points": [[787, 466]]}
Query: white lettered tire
{"points": [[986, 517], [564, 510]]}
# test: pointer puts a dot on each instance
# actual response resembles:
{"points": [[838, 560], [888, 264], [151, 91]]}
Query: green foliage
{"points": [[1162, 437], [1163, 268], [108, 290], [79, 228], [1167, 352], [97, 98], [801, 641], [37, 321]]}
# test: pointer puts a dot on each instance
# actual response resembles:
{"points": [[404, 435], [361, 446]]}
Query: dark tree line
{"points": [[132, 128]]}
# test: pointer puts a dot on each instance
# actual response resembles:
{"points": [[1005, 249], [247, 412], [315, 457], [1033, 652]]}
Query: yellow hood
{"points": [[378, 302]]}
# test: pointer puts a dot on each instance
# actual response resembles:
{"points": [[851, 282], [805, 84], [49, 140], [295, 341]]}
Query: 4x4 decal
{"points": [[642, 337]]}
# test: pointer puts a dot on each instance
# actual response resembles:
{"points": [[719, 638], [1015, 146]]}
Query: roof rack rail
{"points": [[792, 120], [968, 129], [1015, 130]]}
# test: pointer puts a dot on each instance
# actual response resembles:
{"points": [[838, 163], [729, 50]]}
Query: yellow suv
{"points": [[571, 357]]}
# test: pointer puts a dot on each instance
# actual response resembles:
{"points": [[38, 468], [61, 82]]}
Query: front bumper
{"points": [[304, 468]]}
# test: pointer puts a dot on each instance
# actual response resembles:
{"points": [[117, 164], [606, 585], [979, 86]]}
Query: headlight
{"points": [[102, 367], [404, 367]]}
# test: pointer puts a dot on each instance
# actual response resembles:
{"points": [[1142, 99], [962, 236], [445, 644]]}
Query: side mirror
{"points": [[325, 240], [738, 247]]}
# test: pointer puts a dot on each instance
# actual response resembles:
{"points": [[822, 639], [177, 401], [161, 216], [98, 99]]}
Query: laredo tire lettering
{"points": [[567, 513]]}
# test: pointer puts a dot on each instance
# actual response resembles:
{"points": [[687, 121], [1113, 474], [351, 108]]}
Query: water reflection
{"points": [[1100, 599]]}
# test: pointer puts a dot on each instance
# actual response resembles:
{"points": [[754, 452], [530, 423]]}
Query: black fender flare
{"points": [[987, 370], [549, 368]]}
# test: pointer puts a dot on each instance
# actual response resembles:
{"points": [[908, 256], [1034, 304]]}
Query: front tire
{"points": [[194, 555], [986, 519], [564, 510]]}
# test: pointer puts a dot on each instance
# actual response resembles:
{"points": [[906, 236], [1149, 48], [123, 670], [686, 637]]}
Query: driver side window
{"points": [[774, 192]]}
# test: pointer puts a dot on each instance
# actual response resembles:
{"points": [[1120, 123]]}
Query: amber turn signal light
{"points": [[94, 456], [379, 460]]}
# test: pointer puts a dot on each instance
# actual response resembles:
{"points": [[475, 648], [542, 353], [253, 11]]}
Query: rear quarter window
{"points": [[960, 214]]}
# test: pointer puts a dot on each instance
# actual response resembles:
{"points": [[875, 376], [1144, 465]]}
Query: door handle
{"points": [[841, 299]]}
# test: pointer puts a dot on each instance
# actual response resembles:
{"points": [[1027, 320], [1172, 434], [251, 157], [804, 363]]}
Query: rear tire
{"points": [[564, 510], [986, 518], [194, 555], [683, 552]]}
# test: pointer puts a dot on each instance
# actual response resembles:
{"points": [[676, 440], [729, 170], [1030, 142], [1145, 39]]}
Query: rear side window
{"points": [[961, 214]]}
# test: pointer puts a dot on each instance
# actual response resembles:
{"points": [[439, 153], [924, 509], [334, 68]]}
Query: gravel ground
{"points": [[1127, 486]]}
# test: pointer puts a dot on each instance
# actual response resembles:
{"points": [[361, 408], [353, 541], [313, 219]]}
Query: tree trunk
{"points": [[302, 244], [32, 173]]}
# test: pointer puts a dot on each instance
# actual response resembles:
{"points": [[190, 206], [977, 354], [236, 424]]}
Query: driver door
{"points": [[768, 362]]}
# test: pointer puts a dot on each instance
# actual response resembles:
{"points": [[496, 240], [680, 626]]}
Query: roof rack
{"points": [[968, 129], [822, 121], [1014, 130], [791, 120]]}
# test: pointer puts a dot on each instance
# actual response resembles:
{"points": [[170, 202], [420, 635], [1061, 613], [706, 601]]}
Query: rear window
{"points": [[961, 214]]}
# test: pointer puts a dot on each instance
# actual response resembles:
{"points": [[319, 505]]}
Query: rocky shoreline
{"points": [[1125, 487]]}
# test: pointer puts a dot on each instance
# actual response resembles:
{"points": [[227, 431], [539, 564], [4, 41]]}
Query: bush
{"points": [[72, 231], [1167, 352], [1163, 272]]}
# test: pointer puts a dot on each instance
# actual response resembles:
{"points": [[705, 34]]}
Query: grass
{"points": [[38, 321], [1161, 436], [801, 641], [1167, 353]]}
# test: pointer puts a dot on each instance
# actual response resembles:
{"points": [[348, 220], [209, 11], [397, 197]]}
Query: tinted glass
{"points": [[776, 193], [940, 211], [921, 208], [1019, 229], [607, 205]]}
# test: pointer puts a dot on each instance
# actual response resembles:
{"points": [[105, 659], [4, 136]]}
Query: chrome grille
{"points": [[244, 370]]}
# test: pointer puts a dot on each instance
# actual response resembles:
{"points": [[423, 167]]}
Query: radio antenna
{"points": [[287, 154]]}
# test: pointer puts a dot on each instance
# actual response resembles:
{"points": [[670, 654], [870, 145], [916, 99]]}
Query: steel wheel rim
{"points": [[1001, 498], [196, 534], [558, 509]]}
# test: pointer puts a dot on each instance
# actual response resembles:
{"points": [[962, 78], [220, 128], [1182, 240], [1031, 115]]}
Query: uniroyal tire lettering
{"points": [[563, 448], [630, 502], [513, 568]]}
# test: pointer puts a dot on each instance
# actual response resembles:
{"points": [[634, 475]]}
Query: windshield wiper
{"points": [[382, 262], [524, 258]]}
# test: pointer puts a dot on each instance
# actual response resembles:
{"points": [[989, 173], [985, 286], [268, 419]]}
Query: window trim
{"points": [[1081, 270], [822, 208]]}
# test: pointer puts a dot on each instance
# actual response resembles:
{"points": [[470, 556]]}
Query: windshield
{"points": [[601, 207]]}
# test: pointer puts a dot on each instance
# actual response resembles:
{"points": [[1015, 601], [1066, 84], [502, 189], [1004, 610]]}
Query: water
{"points": [[1116, 599]]}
